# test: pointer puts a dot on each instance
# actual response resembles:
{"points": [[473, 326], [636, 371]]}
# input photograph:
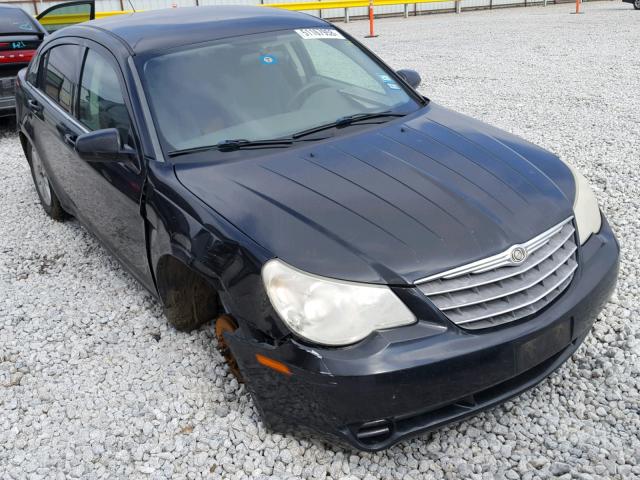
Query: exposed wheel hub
{"points": [[226, 324]]}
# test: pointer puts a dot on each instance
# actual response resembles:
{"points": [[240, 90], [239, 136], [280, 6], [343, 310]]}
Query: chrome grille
{"points": [[494, 291]]}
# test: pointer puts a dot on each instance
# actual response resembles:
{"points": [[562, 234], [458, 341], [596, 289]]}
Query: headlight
{"points": [[331, 312], [585, 207]]}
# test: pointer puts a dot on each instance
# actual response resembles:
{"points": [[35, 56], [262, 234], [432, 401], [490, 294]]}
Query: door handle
{"points": [[34, 106], [70, 140]]}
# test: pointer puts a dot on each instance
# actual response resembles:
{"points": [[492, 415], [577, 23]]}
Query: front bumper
{"points": [[405, 381]]}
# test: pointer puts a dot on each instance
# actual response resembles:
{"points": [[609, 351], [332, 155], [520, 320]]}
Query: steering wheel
{"points": [[307, 90]]}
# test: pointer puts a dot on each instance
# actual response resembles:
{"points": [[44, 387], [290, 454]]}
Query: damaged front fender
{"points": [[183, 228]]}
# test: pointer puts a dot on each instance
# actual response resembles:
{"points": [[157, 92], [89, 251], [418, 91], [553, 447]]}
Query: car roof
{"points": [[159, 30]]}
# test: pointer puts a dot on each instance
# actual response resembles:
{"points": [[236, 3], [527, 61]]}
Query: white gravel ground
{"points": [[93, 383]]}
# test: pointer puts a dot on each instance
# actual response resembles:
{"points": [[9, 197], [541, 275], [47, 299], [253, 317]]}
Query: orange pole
{"points": [[577, 6], [371, 34]]}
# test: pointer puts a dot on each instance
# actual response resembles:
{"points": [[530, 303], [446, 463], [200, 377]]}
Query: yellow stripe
{"points": [[345, 4], [111, 14]]}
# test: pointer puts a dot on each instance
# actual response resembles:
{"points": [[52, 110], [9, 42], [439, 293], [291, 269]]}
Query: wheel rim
{"points": [[226, 324], [637, 4], [41, 178]]}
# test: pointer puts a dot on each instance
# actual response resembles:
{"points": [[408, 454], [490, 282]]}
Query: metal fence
{"points": [[36, 6]]}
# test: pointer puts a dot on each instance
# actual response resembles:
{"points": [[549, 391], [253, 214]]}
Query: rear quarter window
{"points": [[32, 72]]}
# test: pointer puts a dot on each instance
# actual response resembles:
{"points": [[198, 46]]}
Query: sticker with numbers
{"points": [[321, 33]]}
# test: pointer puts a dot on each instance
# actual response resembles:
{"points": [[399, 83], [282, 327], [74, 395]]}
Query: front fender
{"points": [[183, 227]]}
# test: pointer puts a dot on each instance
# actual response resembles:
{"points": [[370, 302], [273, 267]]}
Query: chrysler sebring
{"points": [[376, 265]]}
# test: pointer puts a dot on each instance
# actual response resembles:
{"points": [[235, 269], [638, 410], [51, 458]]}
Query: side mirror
{"points": [[103, 146], [411, 77]]}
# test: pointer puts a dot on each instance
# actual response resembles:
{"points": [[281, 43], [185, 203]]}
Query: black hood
{"points": [[390, 204]]}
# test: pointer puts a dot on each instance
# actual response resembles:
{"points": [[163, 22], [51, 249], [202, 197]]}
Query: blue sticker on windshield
{"points": [[393, 86], [27, 27], [385, 78], [268, 59]]}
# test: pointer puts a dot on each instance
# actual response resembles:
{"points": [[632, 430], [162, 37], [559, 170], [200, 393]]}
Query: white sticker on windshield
{"points": [[321, 33]]}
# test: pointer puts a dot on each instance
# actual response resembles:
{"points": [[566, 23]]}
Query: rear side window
{"points": [[101, 100], [61, 73], [14, 20]]}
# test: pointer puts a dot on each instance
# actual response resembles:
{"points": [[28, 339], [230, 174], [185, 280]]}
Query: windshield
{"points": [[266, 86]]}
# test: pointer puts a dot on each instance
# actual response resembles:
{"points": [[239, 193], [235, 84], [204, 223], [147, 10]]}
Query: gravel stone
{"points": [[95, 384], [538, 462], [559, 468]]}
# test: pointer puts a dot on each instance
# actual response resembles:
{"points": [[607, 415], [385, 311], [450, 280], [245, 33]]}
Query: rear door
{"points": [[65, 14], [51, 110]]}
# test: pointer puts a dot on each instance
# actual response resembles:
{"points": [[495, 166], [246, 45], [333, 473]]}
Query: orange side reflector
{"points": [[273, 364]]}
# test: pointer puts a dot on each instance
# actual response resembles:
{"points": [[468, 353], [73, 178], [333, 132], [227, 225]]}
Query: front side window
{"points": [[61, 74], [101, 103], [265, 86]]}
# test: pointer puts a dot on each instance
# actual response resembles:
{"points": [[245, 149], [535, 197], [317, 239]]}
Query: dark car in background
{"points": [[21, 35], [376, 265], [635, 3]]}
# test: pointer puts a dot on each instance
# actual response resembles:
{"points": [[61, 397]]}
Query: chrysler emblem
{"points": [[518, 255]]}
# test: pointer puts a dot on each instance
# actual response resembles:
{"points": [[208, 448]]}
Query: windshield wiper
{"points": [[235, 144], [239, 143], [346, 121]]}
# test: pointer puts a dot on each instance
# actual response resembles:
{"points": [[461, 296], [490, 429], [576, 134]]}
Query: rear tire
{"points": [[48, 198], [636, 4]]}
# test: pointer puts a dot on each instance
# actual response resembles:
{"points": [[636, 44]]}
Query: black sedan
{"points": [[376, 265], [636, 3]]}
